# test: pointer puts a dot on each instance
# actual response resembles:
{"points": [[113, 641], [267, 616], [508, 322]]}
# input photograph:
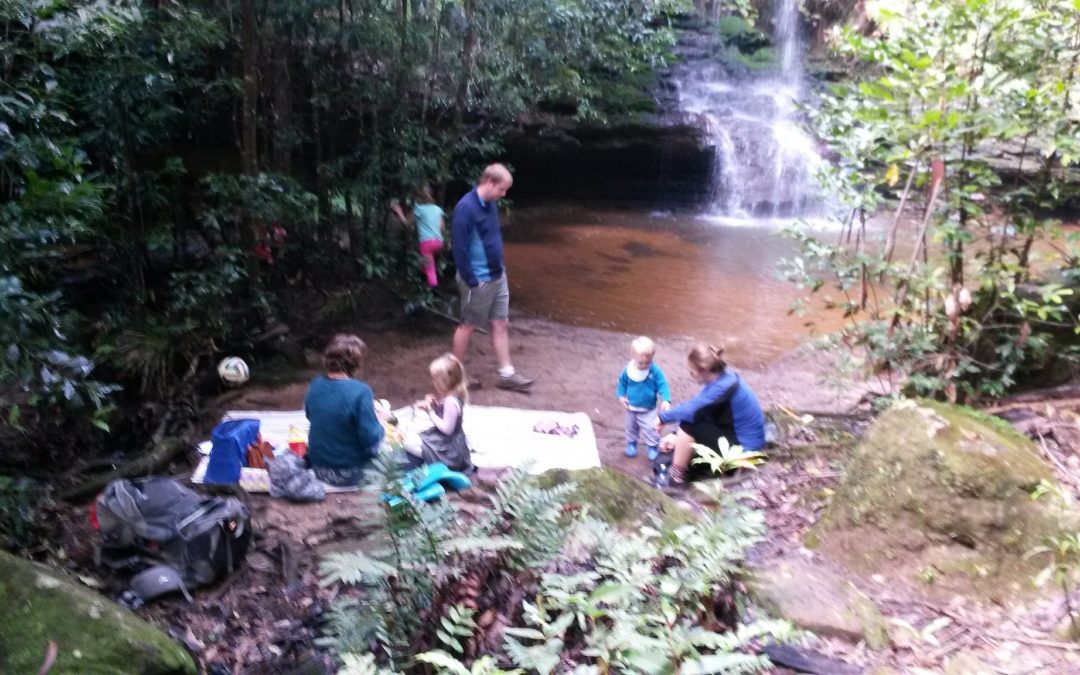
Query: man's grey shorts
{"points": [[490, 301]]}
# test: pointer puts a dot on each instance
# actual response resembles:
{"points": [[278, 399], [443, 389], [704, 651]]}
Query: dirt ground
{"points": [[265, 618]]}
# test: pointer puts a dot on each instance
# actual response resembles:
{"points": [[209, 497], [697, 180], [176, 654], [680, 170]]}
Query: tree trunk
{"points": [[249, 156], [466, 65]]}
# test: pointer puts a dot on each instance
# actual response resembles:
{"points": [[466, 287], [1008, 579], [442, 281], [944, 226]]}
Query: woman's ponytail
{"points": [[707, 357]]}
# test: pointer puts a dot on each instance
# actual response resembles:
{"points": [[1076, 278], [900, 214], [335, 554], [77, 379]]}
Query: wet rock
{"points": [[819, 600], [92, 634], [618, 499], [942, 495]]}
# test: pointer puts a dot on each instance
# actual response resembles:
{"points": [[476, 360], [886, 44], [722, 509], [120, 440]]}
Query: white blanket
{"points": [[499, 437], [504, 437]]}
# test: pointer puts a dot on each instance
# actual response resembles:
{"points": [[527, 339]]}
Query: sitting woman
{"points": [[345, 429], [724, 408]]}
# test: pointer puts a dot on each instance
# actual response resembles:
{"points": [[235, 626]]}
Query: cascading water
{"points": [[764, 162]]}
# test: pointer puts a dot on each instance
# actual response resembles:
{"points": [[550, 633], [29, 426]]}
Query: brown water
{"points": [[658, 274]]}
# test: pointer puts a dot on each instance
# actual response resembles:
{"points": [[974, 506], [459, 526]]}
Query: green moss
{"points": [[618, 499], [993, 421], [92, 634], [947, 488]]}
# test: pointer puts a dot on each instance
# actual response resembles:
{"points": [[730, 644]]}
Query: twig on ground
{"points": [[50, 658], [1056, 462], [1038, 642], [223, 588], [961, 640]]}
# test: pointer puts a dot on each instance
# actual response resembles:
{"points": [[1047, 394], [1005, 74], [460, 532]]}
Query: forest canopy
{"points": [[146, 148]]}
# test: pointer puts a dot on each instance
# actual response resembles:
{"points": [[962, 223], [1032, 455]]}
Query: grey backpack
{"points": [[158, 523]]}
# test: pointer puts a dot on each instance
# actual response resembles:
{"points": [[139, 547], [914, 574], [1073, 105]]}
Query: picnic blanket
{"points": [[499, 437]]}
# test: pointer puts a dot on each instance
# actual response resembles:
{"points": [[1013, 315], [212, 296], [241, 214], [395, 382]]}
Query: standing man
{"points": [[481, 276]]}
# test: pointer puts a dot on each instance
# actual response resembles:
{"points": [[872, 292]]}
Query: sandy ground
{"points": [[576, 370]]}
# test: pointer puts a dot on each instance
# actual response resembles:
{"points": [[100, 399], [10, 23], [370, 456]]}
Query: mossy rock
{"points": [[618, 499], [942, 494], [92, 634]]}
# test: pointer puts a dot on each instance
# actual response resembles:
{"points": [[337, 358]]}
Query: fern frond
{"points": [[353, 568], [728, 663], [543, 658], [465, 544], [443, 662], [362, 664]]}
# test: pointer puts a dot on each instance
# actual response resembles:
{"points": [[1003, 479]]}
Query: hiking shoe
{"points": [[654, 452], [631, 450], [515, 382]]}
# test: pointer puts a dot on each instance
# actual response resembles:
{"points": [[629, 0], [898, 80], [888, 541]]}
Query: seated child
{"points": [[445, 442], [641, 383]]}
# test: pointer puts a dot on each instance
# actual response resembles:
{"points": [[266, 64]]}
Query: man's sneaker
{"points": [[654, 452], [474, 384], [631, 450], [515, 382]]}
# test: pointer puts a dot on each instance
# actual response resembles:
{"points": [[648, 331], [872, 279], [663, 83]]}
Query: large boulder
{"points": [[92, 634], [617, 499], [942, 495]]}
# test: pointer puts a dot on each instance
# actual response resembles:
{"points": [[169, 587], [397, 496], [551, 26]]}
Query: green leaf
{"points": [[441, 659], [527, 633]]}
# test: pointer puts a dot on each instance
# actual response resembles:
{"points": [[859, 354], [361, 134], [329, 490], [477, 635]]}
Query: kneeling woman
{"points": [[345, 429], [725, 408]]}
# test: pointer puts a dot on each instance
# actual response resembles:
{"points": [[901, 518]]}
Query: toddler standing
{"points": [[445, 441], [641, 383]]}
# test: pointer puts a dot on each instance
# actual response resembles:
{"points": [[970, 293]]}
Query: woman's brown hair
{"points": [[344, 354], [707, 358]]}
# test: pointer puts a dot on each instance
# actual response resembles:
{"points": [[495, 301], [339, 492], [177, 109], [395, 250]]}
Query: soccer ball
{"points": [[233, 370]]}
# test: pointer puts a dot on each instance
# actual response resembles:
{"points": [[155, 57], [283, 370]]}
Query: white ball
{"points": [[233, 370]]}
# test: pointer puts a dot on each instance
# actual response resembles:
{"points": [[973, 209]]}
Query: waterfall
{"points": [[764, 161]]}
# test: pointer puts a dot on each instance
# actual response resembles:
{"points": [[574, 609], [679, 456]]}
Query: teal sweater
{"points": [[345, 432]]}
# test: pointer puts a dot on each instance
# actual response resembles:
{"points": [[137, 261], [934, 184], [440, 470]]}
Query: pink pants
{"points": [[428, 249]]}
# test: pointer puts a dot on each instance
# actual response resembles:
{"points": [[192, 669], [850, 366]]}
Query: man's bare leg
{"points": [[500, 340], [461, 340]]}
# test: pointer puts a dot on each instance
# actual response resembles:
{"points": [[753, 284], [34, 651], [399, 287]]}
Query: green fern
{"points": [[599, 600], [353, 568], [458, 623]]}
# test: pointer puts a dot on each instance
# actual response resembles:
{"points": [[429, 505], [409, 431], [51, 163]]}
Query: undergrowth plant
{"points": [[536, 585], [1063, 550], [968, 108]]}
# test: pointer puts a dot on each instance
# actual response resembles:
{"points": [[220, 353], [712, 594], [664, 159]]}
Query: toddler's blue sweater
{"points": [[642, 395]]}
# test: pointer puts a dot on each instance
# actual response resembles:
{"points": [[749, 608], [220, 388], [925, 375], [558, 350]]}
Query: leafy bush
{"points": [[19, 498], [528, 584], [33, 370], [979, 294]]}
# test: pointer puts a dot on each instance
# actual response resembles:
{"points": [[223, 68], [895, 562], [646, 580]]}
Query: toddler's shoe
{"points": [[631, 450], [654, 452]]}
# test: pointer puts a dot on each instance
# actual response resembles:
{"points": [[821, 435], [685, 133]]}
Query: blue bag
{"points": [[230, 441]]}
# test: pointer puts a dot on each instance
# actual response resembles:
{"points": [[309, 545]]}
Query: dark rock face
{"points": [[665, 162]]}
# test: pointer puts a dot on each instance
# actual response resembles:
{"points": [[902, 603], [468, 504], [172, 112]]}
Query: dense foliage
{"points": [[532, 585], [148, 148], [969, 107]]}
